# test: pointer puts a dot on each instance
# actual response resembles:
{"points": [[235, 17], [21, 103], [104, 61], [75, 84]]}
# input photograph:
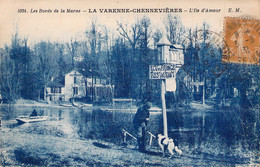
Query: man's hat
{"points": [[148, 105]]}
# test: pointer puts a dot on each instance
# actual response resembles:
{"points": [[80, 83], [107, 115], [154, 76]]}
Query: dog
{"points": [[167, 143]]}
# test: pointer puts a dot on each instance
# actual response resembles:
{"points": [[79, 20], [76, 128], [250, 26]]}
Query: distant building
{"points": [[169, 53], [74, 85]]}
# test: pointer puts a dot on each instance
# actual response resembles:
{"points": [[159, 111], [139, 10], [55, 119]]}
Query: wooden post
{"points": [[92, 92], [151, 140], [151, 137], [45, 96], [127, 133], [203, 94], [165, 128], [124, 137]]}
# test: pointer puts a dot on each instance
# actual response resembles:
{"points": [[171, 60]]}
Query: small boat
{"points": [[66, 105], [28, 119], [87, 105], [80, 105]]}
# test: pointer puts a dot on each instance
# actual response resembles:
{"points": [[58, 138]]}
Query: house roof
{"points": [[57, 82], [164, 41], [175, 46], [60, 81], [88, 74]]}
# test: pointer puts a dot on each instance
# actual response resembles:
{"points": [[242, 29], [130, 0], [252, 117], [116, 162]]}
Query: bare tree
{"points": [[106, 65], [72, 47], [157, 35], [10, 85], [145, 58], [94, 38], [174, 29], [45, 64], [132, 35]]}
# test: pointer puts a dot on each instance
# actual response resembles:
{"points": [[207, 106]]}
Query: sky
{"points": [[62, 27]]}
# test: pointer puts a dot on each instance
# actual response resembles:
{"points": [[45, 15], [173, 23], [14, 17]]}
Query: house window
{"points": [[75, 90], [56, 90], [75, 80]]}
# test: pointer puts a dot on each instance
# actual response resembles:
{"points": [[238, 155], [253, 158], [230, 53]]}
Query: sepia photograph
{"points": [[130, 83]]}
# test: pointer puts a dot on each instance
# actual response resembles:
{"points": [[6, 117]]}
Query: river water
{"points": [[223, 135]]}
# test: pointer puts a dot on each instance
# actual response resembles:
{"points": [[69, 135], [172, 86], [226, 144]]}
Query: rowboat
{"points": [[27, 119], [66, 105], [80, 105]]}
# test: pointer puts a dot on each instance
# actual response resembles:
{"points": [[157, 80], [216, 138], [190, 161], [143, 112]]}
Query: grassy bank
{"points": [[54, 143]]}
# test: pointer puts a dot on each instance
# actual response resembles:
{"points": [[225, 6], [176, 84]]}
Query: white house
{"points": [[74, 85]]}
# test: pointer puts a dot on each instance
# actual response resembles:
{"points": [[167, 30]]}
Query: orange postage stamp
{"points": [[242, 40]]}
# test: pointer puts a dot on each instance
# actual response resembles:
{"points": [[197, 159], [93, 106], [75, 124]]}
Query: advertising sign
{"points": [[163, 71]]}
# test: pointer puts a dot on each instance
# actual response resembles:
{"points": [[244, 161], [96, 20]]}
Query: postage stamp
{"points": [[242, 39]]}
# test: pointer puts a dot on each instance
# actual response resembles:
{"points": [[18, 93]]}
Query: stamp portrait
{"points": [[242, 38]]}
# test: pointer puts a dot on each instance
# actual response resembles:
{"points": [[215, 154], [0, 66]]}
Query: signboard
{"points": [[197, 84], [163, 71], [171, 85]]}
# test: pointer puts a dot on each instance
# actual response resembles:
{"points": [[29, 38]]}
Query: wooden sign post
{"points": [[162, 72], [163, 91], [170, 57]]}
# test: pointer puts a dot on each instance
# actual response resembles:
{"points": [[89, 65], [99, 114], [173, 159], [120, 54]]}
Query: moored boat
{"points": [[80, 105], [27, 119], [66, 105]]}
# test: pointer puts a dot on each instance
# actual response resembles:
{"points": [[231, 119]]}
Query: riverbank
{"points": [[41, 103], [193, 106], [31, 103], [53, 143], [93, 137]]}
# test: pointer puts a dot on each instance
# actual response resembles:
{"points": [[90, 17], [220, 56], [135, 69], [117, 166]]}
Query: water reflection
{"points": [[208, 132]]}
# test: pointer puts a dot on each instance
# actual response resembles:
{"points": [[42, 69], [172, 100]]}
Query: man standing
{"points": [[34, 113], [140, 122]]}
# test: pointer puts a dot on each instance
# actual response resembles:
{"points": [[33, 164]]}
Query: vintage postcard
{"points": [[129, 83]]}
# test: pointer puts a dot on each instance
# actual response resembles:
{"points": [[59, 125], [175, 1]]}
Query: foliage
{"points": [[122, 56]]}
